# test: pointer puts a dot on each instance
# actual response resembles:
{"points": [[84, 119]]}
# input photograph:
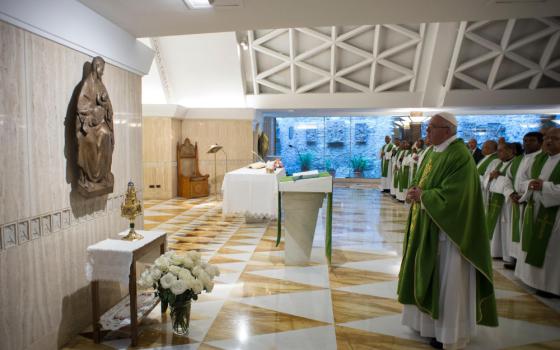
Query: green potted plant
{"points": [[329, 168], [305, 161], [358, 164]]}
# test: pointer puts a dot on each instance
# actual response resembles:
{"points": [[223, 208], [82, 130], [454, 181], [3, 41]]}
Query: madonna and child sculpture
{"points": [[95, 134]]}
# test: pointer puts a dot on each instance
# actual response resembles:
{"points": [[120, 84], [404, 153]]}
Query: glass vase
{"points": [[180, 317]]}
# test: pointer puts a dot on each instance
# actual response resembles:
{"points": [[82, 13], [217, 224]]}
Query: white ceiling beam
{"points": [[162, 70], [314, 33], [312, 85], [514, 79], [375, 51], [276, 69], [553, 64], [531, 38], [354, 50], [550, 21], [469, 80], [545, 59], [272, 53], [352, 84], [483, 42], [353, 67], [417, 55], [504, 42], [253, 59], [396, 67], [354, 32], [334, 60], [401, 47], [292, 54], [312, 52], [404, 31], [476, 61], [553, 75], [269, 36], [274, 86], [392, 83], [475, 25], [313, 69], [522, 61], [455, 55]]}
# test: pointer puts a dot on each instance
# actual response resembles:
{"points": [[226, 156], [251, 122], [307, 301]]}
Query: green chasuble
{"points": [[515, 209], [404, 174], [385, 163], [495, 204], [542, 224], [452, 203], [484, 165], [528, 214], [396, 174]]}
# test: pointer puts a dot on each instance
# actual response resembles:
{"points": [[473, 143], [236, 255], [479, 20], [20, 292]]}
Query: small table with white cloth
{"points": [[251, 192], [115, 260]]}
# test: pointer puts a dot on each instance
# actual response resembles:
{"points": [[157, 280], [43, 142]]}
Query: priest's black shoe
{"points": [[435, 344], [543, 294], [509, 265]]}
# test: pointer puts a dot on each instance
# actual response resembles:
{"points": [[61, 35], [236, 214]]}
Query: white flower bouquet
{"points": [[178, 279]]}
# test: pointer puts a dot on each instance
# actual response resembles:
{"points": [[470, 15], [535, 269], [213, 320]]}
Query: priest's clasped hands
{"points": [[414, 194], [536, 185]]}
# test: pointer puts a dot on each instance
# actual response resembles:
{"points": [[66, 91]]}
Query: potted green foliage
{"points": [[358, 164], [305, 161], [329, 168]]}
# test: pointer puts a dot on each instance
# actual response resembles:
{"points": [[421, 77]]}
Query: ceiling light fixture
{"points": [[198, 4]]}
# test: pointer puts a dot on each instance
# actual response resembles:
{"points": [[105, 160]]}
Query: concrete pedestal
{"points": [[301, 210]]}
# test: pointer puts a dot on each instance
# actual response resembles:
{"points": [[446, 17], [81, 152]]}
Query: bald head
{"points": [[489, 147]]}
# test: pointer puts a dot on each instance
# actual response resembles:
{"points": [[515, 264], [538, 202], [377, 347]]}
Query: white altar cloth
{"points": [[251, 192], [110, 260]]}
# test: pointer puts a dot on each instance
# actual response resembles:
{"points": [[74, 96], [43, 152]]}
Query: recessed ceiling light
{"points": [[198, 4]]}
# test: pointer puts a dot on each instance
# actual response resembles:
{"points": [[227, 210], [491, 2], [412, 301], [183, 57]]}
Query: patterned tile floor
{"points": [[259, 303]]}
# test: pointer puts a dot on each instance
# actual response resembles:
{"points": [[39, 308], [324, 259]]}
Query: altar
{"points": [[251, 192]]}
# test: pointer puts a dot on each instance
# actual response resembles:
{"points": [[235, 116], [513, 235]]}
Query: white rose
{"points": [[197, 287], [187, 262], [197, 270], [175, 259], [178, 287], [155, 272], [185, 274], [167, 280], [212, 271], [205, 279], [176, 270], [162, 263], [146, 280], [210, 286], [195, 256]]}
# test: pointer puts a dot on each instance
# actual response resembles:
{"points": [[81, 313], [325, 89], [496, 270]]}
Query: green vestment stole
{"points": [[396, 174], [404, 174], [385, 163], [495, 204], [528, 214], [452, 203], [539, 234], [515, 208], [484, 165]]}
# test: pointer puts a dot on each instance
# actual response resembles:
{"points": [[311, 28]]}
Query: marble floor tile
{"points": [[260, 303]]}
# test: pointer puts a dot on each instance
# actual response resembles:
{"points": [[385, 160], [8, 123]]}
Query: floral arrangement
{"points": [[178, 279]]}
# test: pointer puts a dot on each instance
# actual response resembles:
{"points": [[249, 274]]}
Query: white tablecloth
{"points": [[251, 192], [110, 260]]}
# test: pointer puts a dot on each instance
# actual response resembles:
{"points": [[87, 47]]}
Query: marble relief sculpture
{"points": [[95, 134]]}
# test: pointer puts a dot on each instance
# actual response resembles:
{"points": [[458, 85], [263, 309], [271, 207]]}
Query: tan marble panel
{"points": [[236, 318], [352, 307], [351, 339], [14, 172], [236, 136], [44, 296]]}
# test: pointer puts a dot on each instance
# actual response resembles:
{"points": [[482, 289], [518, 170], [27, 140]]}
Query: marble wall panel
{"points": [[236, 136], [45, 227], [13, 127]]}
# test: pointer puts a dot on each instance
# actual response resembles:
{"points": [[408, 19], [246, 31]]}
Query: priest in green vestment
{"points": [[539, 262], [445, 281], [385, 164]]}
